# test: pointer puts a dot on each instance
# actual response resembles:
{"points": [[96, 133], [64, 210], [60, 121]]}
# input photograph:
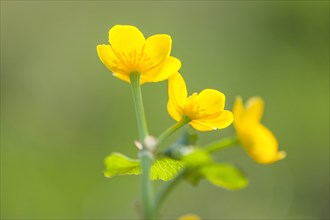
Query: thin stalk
{"points": [[172, 129], [219, 145], [139, 109], [146, 157]]}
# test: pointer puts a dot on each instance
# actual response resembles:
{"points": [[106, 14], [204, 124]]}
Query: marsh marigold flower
{"points": [[205, 110], [258, 141], [129, 52]]}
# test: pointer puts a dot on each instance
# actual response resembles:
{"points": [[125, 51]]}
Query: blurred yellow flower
{"points": [[130, 52], [189, 217], [205, 111], [258, 141]]}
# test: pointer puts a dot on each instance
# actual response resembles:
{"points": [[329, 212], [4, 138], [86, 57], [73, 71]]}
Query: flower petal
{"points": [[127, 42], [189, 217], [126, 78], [254, 108], [210, 101], [177, 90], [110, 60], [261, 144], [157, 48], [170, 66], [221, 120], [174, 111], [122, 77], [237, 111]]}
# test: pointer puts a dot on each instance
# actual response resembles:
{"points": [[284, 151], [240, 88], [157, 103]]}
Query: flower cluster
{"points": [[129, 52], [136, 60]]}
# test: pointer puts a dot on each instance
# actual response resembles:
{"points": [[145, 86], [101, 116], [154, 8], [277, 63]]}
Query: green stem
{"points": [[145, 155], [172, 129], [148, 199], [219, 145], [139, 109], [166, 188]]}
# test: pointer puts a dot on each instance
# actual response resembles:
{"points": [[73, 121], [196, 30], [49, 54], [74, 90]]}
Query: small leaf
{"points": [[197, 158], [119, 164], [224, 175], [194, 161], [165, 168]]}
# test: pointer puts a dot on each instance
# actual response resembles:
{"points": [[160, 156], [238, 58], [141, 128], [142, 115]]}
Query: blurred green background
{"points": [[62, 112]]}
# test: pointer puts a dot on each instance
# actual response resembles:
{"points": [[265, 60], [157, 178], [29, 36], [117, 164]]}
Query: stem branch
{"points": [[219, 145], [172, 129]]}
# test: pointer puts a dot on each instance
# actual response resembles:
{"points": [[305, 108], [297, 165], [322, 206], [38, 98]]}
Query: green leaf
{"points": [[119, 164], [224, 175], [200, 165], [194, 161], [197, 158], [165, 168]]}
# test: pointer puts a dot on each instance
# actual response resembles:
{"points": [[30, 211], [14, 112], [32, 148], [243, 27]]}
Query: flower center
{"points": [[191, 108]]}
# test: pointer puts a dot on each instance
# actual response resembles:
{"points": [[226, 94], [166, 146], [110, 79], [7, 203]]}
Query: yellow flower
{"points": [[205, 110], [130, 52], [258, 141], [189, 217]]}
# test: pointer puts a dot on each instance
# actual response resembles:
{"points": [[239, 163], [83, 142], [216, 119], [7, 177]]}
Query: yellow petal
{"points": [[126, 78], [127, 42], [238, 107], [210, 101], [217, 121], [254, 109], [174, 111], [238, 110], [170, 66], [122, 77], [110, 60], [189, 217], [156, 50], [177, 90], [261, 144]]}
